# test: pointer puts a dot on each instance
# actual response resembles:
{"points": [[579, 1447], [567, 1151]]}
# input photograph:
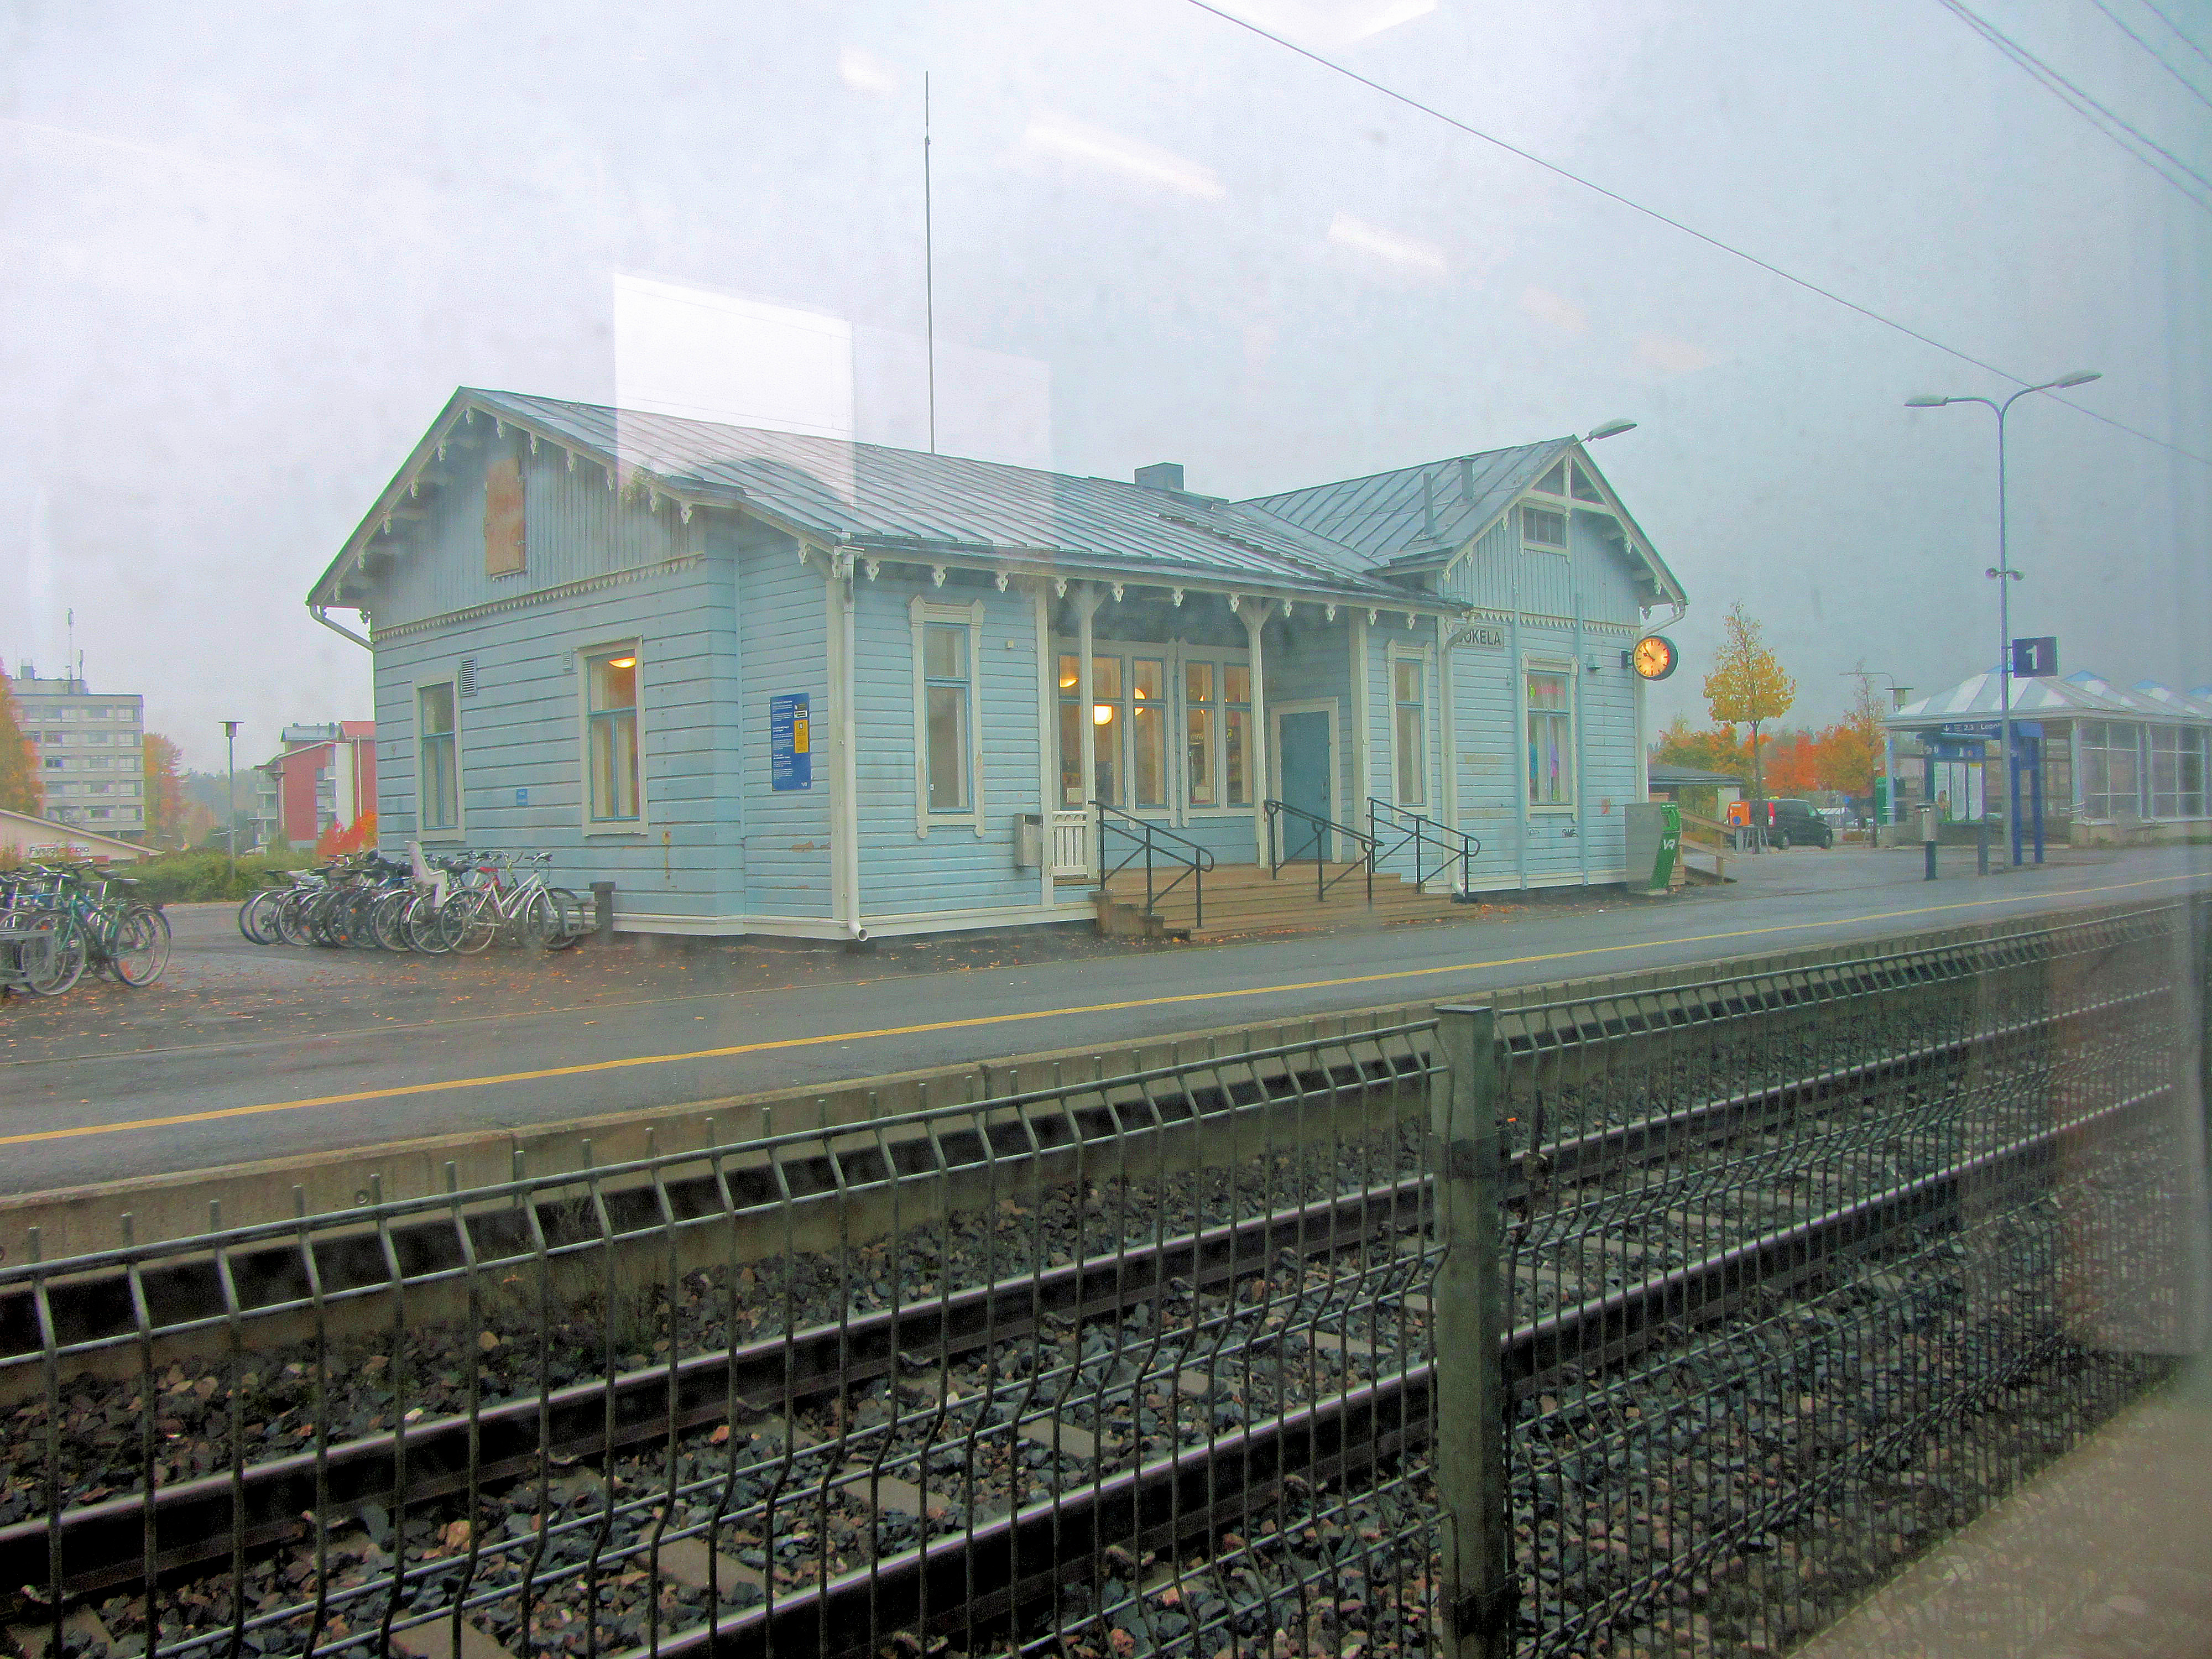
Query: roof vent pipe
{"points": [[1161, 475], [1428, 505], [1467, 478]]}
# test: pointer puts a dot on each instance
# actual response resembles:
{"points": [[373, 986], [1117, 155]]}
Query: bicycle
{"points": [[529, 911]]}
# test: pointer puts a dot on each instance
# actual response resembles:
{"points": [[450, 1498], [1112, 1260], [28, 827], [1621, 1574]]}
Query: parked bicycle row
{"points": [[460, 902], [58, 921]]}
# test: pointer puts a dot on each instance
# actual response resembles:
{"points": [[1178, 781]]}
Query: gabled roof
{"points": [[1419, 519], [1664, 776], [906, 503], [2078, 694]]}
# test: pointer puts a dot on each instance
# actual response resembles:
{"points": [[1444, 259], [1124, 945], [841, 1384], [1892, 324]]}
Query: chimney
{"points": [[1161, 475], [1467, 478], [1428, 505]]}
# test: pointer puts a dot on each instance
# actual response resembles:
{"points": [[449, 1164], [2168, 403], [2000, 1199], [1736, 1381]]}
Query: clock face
{"points": [[1655, 656]]}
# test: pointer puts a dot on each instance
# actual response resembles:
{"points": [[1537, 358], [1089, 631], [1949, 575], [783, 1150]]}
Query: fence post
{"points": [[1467, 1316]]}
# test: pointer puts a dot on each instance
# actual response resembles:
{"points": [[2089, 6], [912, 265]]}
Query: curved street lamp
{"points": [[2004, 575]]}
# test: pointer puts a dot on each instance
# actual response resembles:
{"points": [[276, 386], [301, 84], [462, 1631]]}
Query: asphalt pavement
{"points": [[246, 1052]]}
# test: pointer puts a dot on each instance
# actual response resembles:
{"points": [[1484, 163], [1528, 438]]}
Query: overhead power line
{"points": [[1691, 231], [2083, 106], [2121, 25], [2152, 7]]}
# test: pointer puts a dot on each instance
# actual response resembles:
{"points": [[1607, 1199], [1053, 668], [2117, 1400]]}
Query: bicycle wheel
{"points": [[426, 925], [569, 911], [292, 916], [386, 918], [54, 961], [139, 948], [471, 922], [255, 916]]}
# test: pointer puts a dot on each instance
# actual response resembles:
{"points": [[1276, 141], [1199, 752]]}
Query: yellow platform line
{"points": [[977, 1020]]}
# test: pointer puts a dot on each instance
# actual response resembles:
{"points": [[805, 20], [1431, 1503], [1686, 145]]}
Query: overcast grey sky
{"points": [[252, 249]]}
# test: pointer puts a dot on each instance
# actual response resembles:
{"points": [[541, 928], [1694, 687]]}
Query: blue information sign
{"points": [[1992, 729], [790, 755]]}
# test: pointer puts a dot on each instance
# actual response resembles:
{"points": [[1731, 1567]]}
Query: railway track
{"points": [[1171, 1339]]}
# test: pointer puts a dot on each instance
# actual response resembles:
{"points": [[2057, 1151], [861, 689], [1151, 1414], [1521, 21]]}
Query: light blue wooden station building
{"points": [[776, 684]]}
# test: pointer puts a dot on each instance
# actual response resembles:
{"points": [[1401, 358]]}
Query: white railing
{"points": [[1074, 846]]}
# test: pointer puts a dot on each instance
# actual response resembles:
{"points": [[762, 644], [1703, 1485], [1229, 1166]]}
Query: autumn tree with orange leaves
{"points": [[165, 793], [19, 789]]}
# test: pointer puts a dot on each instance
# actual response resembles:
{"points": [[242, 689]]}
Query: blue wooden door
{"points": [[1308, 772]]}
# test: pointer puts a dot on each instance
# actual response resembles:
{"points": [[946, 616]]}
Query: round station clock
{"points": [[1655, 656]]}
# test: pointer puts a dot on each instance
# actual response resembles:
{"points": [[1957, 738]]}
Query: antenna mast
{"points": [[929, 267]]}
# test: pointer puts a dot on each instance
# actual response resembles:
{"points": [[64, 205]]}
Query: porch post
{"points": [[1254, 614], [1449, 737], [1362, 739]]}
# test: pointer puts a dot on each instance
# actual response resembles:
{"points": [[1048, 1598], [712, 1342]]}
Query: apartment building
{"points": [[91, 747]]}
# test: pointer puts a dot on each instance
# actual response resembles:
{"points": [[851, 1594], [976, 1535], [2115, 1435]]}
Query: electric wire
{"points": [[2121, 24], [2152, 7], [2082, 104], [1772, 270]]}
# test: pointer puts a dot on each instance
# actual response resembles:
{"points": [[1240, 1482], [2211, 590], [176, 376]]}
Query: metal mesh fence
{"points": [[1624, 1319]]}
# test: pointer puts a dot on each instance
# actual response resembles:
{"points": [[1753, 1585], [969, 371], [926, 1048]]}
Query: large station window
{"points": [[1132, 718], [1550, 704], [2110, 769]]}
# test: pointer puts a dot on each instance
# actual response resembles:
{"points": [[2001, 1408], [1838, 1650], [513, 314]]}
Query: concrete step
{"points": [[1243, 900]]}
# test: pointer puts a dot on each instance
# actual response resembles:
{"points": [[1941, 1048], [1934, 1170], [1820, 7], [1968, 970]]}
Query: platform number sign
{"points": [[790, 752], [2034, 658]]}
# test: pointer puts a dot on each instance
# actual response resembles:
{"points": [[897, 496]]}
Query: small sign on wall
{"points": [[1482, 635], [790, 753]]}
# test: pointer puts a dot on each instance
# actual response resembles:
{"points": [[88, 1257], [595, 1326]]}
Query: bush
{"points": [[194, 877]]}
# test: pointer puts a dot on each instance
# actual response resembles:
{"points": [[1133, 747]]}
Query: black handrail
{"points": [[1151, 838], [1321, 826], [1412, 828]]}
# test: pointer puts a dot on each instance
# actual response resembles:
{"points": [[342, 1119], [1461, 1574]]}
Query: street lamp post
{"points": [[230, 741], [2004, 575]]}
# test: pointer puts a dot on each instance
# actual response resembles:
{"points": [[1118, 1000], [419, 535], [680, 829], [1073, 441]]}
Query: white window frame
{"points": [[920, 612], [1426, 656], [1175, 653], [1538, 663], [457, 829], [606, 829]]}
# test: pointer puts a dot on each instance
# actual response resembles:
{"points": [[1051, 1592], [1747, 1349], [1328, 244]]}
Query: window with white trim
{"points": [[1201, 719], [610, 678], [1542, 527], [948, 737], [438, 784], [1148, 732], [1548, 701], [1410, 729], [946, 688], [1236, 733]]}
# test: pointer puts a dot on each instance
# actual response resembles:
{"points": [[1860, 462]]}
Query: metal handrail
{"points": [[1420, 833], [1151, 838], [1320, 826]]}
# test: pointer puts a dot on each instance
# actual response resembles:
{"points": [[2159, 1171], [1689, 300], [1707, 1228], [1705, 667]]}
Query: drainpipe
{"points": [[1449, 733], [323, 617], [1087, 601], [845, 799]]}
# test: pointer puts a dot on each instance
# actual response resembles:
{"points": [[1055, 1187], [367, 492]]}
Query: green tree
{"points": [[1719, 750], [1748, 686], [20, 791]]}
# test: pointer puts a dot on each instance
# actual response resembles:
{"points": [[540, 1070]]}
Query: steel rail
{"points": [[101, 1545], [193, 1522]]}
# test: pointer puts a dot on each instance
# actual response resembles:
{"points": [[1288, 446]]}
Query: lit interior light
{"points": [[1067, 682], [1102, 714], [622, 662]]}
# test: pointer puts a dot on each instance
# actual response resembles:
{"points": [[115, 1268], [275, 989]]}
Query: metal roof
{"points": [[1385, 516], [906, 503], [2078, 694], [1418, 518], [1675, 777]]}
